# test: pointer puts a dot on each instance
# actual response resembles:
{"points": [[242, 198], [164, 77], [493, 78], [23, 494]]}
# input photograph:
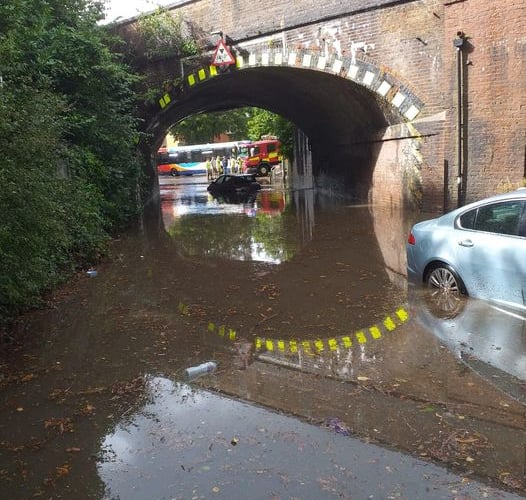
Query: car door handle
{"points": [[465, 243]]}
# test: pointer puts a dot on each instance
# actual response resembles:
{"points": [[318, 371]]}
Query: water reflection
{"points": [[490, 340], [251, 227], [334, 301], [186, 442]]}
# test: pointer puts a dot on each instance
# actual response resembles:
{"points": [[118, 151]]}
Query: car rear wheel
{"points": [[443, 279], [174, 172]]}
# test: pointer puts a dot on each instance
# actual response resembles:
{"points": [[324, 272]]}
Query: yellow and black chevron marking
{"points": [[222, 331], [313, 347], [192, 79], [362, 72]]}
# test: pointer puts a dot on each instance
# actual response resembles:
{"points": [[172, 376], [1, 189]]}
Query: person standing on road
{"points": [[209, 173]]}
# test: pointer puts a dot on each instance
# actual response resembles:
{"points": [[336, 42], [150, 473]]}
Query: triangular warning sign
{"points": [[222, 56]]}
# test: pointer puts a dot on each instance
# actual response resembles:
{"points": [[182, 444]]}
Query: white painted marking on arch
{"points": [[398, 99], [368, 78], [384, 88], [411, 112], [337, 66], [353, 72], [322, 62]]}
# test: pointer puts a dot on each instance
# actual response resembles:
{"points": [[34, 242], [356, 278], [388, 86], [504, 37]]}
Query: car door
{"points": [[492, 255]]}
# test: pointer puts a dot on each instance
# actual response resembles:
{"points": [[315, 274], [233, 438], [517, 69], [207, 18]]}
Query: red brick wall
{"points": [[413, 41], [495, 69]]}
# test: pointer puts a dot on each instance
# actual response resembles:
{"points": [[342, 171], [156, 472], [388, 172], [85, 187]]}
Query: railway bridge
{"points": [[418, 103]]}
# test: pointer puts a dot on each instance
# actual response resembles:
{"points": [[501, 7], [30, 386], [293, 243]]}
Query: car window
{"points": [[522, 222], [500, 218], [467, 220]]}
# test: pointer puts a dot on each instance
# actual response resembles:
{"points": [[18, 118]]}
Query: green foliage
{"points": [[68, 171], [202, 128], [164, 34], [224, 237], [263, 122]]}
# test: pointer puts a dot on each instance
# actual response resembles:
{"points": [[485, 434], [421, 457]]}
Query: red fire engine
{"points": [[262, 155]]}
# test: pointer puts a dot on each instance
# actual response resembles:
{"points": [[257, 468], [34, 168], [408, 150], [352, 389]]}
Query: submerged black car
{"points": [[228, 184]]}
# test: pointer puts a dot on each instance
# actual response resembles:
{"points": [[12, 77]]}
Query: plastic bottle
{"points": [[203, 369]]}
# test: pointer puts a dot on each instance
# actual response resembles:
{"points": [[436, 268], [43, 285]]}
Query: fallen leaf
{"points": [[467, 440], [88, 409], [63, 470]]}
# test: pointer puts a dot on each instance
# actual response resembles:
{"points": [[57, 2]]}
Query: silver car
{"points": [[477, 250]]}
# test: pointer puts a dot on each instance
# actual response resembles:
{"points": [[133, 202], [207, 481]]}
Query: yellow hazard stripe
{"points": [[311, 347], [360, 337], [375, 332], [402, 315], [164, 101], [389, 324]]}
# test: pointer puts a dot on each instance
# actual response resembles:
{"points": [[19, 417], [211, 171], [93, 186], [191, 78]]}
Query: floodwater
{"points": [[302, 303]]}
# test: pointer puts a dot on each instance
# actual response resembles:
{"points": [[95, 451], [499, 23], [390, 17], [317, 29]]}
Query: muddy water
{"points": [[303, 304]]}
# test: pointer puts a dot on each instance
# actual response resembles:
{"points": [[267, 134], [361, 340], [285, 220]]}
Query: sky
{"points": [[131, 8]]}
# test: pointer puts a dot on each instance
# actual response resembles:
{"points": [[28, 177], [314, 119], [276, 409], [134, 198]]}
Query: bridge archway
{"points": [[343, 105]]}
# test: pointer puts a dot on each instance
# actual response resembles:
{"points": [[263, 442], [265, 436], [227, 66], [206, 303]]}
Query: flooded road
{"points": [[303, 304]]}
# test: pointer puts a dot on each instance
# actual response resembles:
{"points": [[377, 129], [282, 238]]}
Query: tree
{"points": [[68, 168], [164, 34], [263, 122], [203, 128]]}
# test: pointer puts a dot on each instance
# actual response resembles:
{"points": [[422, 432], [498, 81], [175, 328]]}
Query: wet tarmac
{"points": [[334, 379]]}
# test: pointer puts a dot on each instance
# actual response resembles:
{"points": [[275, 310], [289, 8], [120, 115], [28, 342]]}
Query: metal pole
{"points": [[459, 127], [458, 42], [446, 177]]}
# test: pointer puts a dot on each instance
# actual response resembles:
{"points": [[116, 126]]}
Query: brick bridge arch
{"points": [[342, 105], [384, 86], [365, 73]]}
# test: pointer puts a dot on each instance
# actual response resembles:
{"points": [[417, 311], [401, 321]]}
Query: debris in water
{"points": [[203, 369], [338, 426]]}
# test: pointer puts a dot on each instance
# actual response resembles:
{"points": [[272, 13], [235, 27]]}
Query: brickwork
{"points": [[411, 42], [495, 81]]}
